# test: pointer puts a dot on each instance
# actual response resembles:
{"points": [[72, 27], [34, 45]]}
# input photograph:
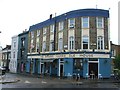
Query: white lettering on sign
{"points": [[71, 56]]}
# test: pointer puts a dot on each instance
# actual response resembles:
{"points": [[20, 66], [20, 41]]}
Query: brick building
{"points": [[76, 42], [6, 55]]}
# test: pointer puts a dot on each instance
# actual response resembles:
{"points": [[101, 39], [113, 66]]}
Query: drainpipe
{"points": [[55, 32]]}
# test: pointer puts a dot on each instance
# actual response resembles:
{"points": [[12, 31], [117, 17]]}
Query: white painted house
{"points": [[14, 53]]}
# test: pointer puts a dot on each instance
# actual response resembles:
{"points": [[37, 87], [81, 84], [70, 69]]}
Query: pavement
{"points": [[14, 78], [7, 79], [30, 81]]}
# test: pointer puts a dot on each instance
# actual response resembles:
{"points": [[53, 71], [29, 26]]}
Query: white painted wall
{"points": [[13, 60]]}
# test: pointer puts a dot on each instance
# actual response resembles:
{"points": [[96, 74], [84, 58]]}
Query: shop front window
{"points": [[78, 64]]}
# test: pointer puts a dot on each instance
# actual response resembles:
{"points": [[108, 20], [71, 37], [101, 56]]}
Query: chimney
{"points": [[50, 16]]}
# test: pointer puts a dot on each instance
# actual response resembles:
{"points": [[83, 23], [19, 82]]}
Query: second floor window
{"points": [[85, 22], [22, 42], [100, 22], [44, 31], [14, 44], [38, 33], [71, 43], [100, 44], [52, 28], [85, 40], [61, 25], [32, 35], [71, 23]]}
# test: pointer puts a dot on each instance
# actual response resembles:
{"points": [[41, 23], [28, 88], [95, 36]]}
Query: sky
{"points": [[18, 15]]}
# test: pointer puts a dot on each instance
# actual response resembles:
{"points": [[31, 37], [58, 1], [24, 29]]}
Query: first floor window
{"points": [[44, 46], [71, 43], [85, 42], [60, 44], [100, 42], [51, 45], [37, 47]]}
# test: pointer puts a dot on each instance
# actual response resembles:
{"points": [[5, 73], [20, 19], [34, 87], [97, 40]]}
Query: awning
{"points": [[47, 60]]}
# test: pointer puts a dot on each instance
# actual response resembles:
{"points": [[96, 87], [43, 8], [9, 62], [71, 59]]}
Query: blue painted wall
{"points": [[38, 66], [85, 67], [28, 66], [33, 68], [105, 67], [68, 66]]}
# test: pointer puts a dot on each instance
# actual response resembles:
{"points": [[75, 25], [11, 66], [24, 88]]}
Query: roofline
{"points": [[71, 14]]}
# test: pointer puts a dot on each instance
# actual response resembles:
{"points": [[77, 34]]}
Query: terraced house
{"points": [[76, 42]]}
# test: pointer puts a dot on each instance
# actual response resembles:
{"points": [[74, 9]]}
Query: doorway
{"points": [[61, 70], [42, 68], [93, 69]]}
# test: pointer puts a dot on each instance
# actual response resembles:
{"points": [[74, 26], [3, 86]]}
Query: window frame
{"points": [[85, 22], [60, 44], [44, 46], [61, 25], [51, 48], [85, 37], [71, 43], [44, 30], [100, 41], [102, 23], [71, 25], [52, 28], [38, 33]]}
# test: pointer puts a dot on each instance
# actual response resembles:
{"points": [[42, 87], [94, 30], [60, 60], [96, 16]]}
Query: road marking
{"points": [[43, 82], [27, 82]]}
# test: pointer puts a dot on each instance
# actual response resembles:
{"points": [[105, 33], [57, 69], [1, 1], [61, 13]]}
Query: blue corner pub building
{"points": [[76, 42]]}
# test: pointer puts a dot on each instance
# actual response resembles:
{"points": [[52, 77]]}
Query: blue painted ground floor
{"points": [[85, 67]]}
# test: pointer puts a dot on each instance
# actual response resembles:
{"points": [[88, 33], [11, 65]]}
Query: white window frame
{"points": [[32, 44], [52, 27], [71, 43], [84, 43], [60, 44], [71, 24], [14, 55], [44, 46], [99, 39], [51, 45], [85, 22], [38, 33], [102, 23], [61, 25], [14, 44], [32, 35], [44, 30], [37, 44]]}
